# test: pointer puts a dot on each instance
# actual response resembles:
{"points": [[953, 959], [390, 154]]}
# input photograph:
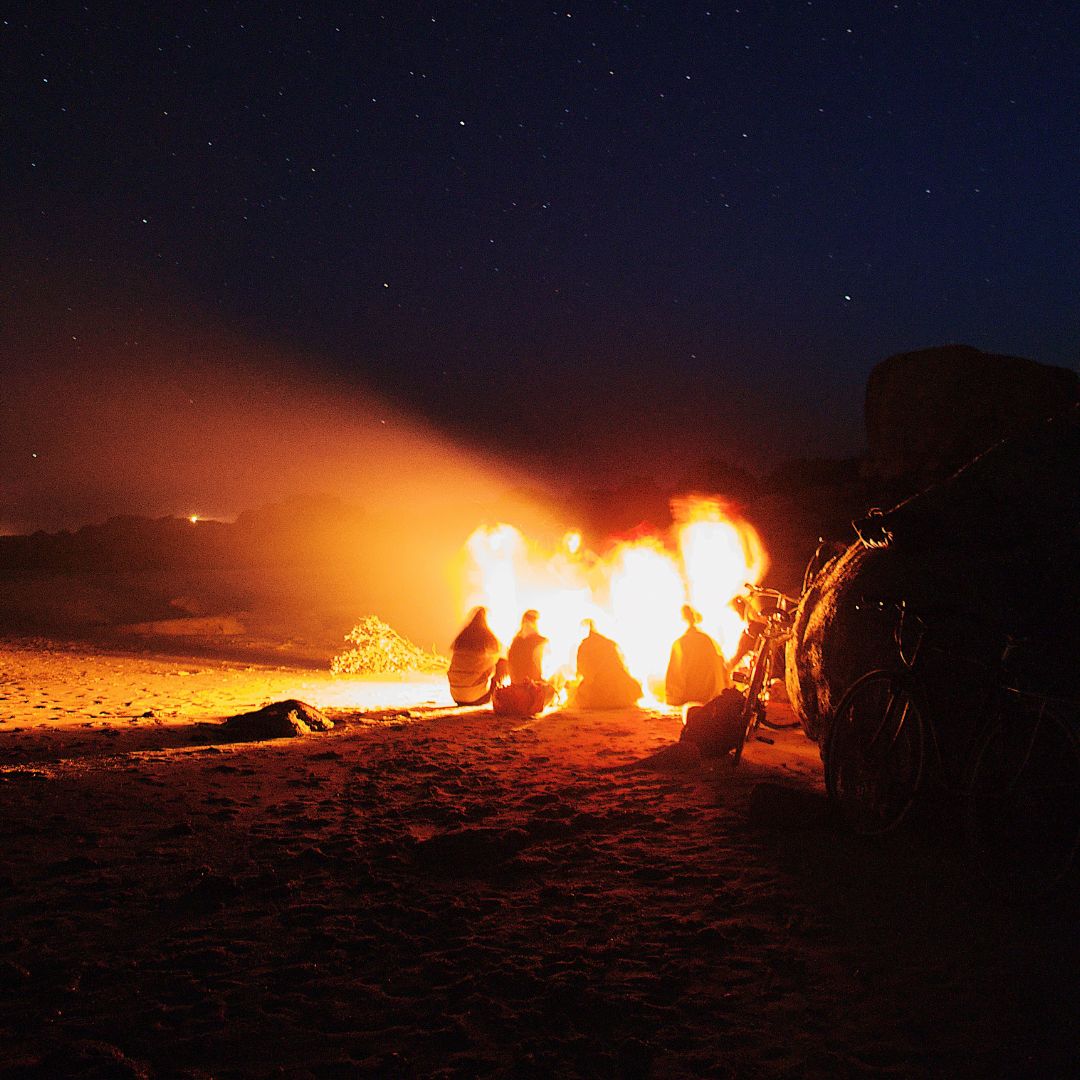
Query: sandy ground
{"points": [[430, 891]]}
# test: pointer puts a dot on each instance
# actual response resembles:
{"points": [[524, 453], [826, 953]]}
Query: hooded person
{"points": [[604, 681], [696, 670], [475, 663]]}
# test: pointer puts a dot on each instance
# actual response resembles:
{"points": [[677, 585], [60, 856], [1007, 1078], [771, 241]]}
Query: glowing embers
{"points": [[633, 591]]}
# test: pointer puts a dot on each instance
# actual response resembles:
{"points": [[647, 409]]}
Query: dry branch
{"points": [[378, 649]]}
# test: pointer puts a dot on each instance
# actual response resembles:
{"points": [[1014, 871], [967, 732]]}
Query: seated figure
{"points": [[474, 661], [696, 670], [604, 682]]}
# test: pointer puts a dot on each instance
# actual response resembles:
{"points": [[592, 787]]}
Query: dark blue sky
{"points": [[568, 232]]}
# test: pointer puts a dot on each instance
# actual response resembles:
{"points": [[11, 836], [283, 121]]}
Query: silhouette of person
{"points": [[528, 693], [604, 681], [696, 670], [475, 662], [526, 656]]}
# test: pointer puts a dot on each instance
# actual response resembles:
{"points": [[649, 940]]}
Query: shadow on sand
{"points": [[27, 747]]}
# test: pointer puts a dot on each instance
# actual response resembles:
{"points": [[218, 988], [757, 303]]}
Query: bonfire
{"points": [[378, 649], [632, 590]]}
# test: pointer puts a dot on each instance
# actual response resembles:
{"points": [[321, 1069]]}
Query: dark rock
{"points": [[929, 412], [716, 727], [992, 551], [280, 720]]}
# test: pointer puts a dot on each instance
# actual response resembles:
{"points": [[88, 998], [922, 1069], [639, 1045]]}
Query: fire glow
{"points": [[633, 592]]}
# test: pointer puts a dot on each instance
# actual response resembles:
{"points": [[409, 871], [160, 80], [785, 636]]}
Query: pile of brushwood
{"points": [[378, 649]]}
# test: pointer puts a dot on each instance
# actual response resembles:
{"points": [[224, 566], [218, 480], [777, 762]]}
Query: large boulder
{"points": [[990, 551], [928, 412]]}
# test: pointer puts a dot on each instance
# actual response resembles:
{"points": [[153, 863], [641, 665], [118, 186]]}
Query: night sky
{"points": [[614, 235]]}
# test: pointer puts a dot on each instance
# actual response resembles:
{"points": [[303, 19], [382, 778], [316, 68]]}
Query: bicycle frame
{"points": [[911, 632], [776, 626]]}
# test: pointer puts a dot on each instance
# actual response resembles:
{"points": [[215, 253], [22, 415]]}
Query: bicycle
{"points": [[1019, 778], [883, 734], [1022, 795], [769, 631], [875, 750]]}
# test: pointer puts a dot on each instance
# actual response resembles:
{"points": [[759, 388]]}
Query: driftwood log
{"points": [[994, 550]]}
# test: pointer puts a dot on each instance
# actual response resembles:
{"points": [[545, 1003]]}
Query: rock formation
{"points": [[279, 720], [931, 411], [990, 551]]}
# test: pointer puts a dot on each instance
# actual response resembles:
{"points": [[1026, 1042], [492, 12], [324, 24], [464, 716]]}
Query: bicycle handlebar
{"points": [[774, 594]]}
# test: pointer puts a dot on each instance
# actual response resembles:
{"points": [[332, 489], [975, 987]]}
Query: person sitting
{"points": [[696, 670], [604, 682], [526, 656], [528, 692], [474, 661]]}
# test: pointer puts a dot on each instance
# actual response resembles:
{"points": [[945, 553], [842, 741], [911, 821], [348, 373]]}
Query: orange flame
{"points": [[634, 592]]}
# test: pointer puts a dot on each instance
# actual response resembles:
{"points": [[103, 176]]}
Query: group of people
{"points": [[479, 672]]}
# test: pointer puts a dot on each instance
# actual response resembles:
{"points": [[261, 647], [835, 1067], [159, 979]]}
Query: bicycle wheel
{"points": [[752, 705], [875, 753], [763, 713], [779, 725], [1022, 801]]}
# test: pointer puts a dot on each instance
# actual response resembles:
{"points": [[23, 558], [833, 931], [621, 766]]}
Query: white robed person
{"points": [[475, 661]]}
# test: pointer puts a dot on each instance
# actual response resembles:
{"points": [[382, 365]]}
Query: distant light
{"points": [[846, 297], [572, 542], [194, 519]]}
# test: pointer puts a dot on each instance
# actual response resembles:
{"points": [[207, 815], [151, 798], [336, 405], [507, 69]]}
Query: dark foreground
{"points": [[453, 894]]}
